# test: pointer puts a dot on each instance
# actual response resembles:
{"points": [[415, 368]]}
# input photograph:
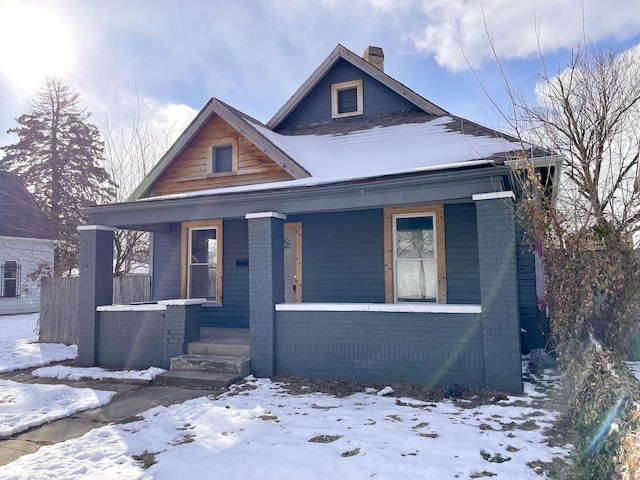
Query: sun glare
{"points": [[34, 43]]}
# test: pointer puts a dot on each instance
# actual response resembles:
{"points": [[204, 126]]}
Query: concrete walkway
{"points": [[132, 398]]}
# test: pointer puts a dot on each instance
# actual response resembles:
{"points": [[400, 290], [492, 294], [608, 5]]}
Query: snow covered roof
{"points": [[437, 144], [387, 150], [424, 137]]}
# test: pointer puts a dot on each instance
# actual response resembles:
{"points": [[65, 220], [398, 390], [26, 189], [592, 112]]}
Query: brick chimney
{"points": [[375, 57]]}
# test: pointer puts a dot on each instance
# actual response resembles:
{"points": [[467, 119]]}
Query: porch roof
{"points": [[458, 182]]}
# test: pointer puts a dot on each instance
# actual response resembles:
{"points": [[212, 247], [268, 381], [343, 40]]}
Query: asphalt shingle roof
{"points": [[20, 215]]}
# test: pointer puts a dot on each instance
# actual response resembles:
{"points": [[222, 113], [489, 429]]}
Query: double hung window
{"points": [[416, 267], [202, 260], [414, 257], [10, 276]]}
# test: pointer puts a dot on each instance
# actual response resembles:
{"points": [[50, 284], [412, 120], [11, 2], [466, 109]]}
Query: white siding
{"points": [[29, 253]]}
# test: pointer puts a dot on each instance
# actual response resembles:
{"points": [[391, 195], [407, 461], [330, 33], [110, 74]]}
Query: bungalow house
{"points": [[26, 245], [363, 233]]}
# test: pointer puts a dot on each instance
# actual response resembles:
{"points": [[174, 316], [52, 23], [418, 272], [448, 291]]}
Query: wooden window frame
{"points": [[335, 90], [234, 156], [389, 215], [184, 249]]}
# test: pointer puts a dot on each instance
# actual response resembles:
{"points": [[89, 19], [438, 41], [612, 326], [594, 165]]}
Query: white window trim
{"points": [[234, 156], [394, 239], [336, 88]]}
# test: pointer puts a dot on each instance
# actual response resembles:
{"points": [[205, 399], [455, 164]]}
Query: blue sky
{"points": [[166, 58]]}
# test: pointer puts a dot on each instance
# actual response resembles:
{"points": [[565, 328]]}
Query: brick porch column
{"points": [[499, 291], [266, 286], [95, 287]]}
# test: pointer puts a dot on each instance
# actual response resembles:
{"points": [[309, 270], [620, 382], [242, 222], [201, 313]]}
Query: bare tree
{"points": [[590, 114], [131, 150]]}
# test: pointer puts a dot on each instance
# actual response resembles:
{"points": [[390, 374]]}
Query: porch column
{"points": [[266, 286], [95, 287], [499, 291]]}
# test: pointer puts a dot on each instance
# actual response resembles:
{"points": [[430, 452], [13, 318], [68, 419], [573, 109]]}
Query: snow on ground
{"points": [[17, 350], [23, 406], [635, 368], [96, 373], [259, 430]]}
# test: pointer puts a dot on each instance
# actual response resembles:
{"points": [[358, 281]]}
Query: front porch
{"points": [[471, 340]]}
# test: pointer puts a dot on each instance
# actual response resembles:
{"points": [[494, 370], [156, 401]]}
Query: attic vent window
{"points": [[346, 99], [223, 157]]}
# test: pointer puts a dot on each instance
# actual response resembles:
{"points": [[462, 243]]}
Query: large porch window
{"points": [[416, 271], [202, 260], [415, 268]]}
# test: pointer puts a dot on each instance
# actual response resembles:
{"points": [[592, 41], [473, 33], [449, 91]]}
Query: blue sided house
{"points": [[363, 233]]}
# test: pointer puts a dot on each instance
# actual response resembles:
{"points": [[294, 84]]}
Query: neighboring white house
{"points": [[26, 245]]}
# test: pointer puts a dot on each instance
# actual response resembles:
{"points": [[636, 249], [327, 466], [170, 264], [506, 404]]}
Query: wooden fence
{"points": [[59, 304]]}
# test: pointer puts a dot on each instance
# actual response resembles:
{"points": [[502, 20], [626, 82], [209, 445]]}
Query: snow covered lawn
{"points": [[17, 350], [24, 405], [260, 430], [95, 373]]}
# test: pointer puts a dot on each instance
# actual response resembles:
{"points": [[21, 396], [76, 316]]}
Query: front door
{"points": [[293, 262]]}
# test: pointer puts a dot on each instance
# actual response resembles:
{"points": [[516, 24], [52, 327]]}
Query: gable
{"points": [[191, 171], [315, 107]]}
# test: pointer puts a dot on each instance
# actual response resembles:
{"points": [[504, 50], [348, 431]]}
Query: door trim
{"points": [[297, 227]]}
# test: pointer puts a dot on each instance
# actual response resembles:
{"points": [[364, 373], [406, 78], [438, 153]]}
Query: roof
{"points": [[422, 138], [20, 215], [425, 144]]}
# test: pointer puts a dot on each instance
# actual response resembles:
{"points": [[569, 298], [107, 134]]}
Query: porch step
{"points": [[197, 379], [205, 371], [223, 364], [224, 349]]}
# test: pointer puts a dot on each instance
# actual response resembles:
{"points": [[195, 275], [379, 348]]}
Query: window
{"points": [[10, 274], [346, 99], [223, 157], [202, 260], [414, 254]]}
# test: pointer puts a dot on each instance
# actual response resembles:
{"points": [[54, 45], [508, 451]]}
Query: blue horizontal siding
{"points": [[343, 256], [234, 311], [461, 242], [166, 264], [533, 322]]}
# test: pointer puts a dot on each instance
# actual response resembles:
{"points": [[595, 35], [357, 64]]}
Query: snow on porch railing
{"points": [[379, 307]]}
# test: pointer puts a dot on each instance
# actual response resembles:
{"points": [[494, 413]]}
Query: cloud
{"points": [[459, 28]]}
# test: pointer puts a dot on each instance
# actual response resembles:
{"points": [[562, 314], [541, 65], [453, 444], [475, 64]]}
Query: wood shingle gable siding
{"points": [[189, 171]]}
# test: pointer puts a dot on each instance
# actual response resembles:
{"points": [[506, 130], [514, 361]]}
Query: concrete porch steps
{"points": [[205, 371], [224, 349], [197, 380]]}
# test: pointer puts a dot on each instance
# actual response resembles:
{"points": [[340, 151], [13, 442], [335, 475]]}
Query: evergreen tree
{"points": [[59, 156]]}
